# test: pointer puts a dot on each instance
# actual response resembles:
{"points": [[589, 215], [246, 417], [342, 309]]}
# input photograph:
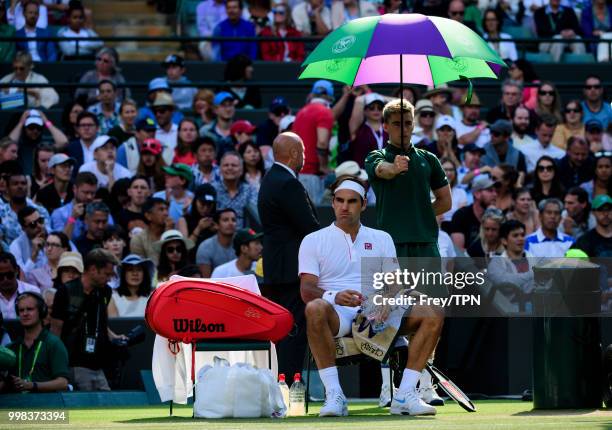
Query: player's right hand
{"points": [[400, 163], [350, 298]]}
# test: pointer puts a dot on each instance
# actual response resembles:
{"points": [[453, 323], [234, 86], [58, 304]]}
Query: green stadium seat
{"points": [[538, 57], [577, 58], [518, 32]]}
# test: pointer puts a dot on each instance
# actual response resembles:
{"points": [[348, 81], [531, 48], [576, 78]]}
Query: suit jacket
{"points": [[46, 49], [566, 20], [287, 215]]}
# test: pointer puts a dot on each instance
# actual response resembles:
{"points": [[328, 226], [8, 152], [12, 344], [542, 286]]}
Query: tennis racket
{"points": [[450, 388]]}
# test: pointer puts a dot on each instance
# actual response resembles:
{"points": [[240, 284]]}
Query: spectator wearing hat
{"points": [[542, 145], [177, 194], [205, 171], [157, 86], [173, 251], [59, 191], [151, 163], [197, 224], [55, 245], [521, 127], [500, 149], [167, 131], [131, 214], [40, 50], [242, 131], [371, 135], [597, 242], [234, 193], [424, 131], [510, 100], [29, 133], [593, 134], [76, 28], [217, 250], [209, 13], [593, 104], [578, 165], [129, 300], [106, 67], [175, 74], [44, 97], [286, 124], [234, 26], [313, 123], [104, 166], [312, 18], [128, 153], [107, 108], [268, 130], [219, 129], [470, 129], [465, 224], [156, 215], [69, 268], [80, 149], [10, 285], [248, 247], [548, 241], [446, 144], [97, 215], [281, 26], [440, 97]]}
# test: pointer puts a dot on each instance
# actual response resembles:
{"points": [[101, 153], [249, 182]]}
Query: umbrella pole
{"points": [[402, 104]]}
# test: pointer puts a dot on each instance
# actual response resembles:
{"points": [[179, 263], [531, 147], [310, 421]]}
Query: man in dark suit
{"points": [[44, 50], [87, 126], [287, 215], [558, 22]]}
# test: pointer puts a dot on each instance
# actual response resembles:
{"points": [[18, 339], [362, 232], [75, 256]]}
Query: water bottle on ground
{"points": [[297, 397], [284, 389]]}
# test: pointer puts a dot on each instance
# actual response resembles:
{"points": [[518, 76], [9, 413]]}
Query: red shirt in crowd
{"points": [[308, 119], [275, 51]]}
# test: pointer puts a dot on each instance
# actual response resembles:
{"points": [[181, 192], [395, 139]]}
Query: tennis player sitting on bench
{"points": [[330, 272]]}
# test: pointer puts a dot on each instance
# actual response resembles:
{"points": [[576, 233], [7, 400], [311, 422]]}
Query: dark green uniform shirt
{"points": [[403, 204], [52, 360]]}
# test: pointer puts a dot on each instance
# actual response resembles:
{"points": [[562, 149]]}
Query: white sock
{"points": [[329, 377], [384, 373], [409, 380], [425, 379]]}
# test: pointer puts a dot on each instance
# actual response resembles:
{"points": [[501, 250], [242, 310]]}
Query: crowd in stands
{"points": [[97, 210]]}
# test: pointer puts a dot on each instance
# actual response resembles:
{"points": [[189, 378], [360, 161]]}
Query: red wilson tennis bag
{"points": [[188, 310]]}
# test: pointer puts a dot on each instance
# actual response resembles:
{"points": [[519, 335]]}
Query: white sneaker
{"points": [[409, 403], [426, 390], [335, 405], [384, 400]]}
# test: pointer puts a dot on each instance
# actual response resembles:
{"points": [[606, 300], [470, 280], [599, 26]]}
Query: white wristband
{"points": [[330, 297]]}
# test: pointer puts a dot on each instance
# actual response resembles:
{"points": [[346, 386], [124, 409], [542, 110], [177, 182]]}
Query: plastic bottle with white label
{"points": [[297, 397]]}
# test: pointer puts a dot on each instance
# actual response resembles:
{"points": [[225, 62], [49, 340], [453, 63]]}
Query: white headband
{"points": [[353, 186]]}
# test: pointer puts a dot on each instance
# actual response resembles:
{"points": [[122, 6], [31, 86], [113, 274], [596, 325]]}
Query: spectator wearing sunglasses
{"points": [[578, 165], [546, 182], [106, 67], [457, 12], [500, 148], [282, 26], [370, 136], [28, 247], [593, 103], [45, 97], [173, 254], [76, 28], [10, 285], [424, 132], [572, 124]]}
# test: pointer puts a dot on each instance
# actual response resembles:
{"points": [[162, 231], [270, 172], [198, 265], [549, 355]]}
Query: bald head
{"points": [[288, 149]]}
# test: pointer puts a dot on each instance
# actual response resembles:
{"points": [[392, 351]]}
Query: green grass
{"points": [[367, 416]]}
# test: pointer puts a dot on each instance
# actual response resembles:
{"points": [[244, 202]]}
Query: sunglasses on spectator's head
{"points": [[546, 93], [592, 87], [548, 168], [600, 154], [7, 276]]}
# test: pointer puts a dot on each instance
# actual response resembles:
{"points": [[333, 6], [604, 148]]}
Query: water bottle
{"points": [[371, 312], [297, 397], [284, 389]]}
